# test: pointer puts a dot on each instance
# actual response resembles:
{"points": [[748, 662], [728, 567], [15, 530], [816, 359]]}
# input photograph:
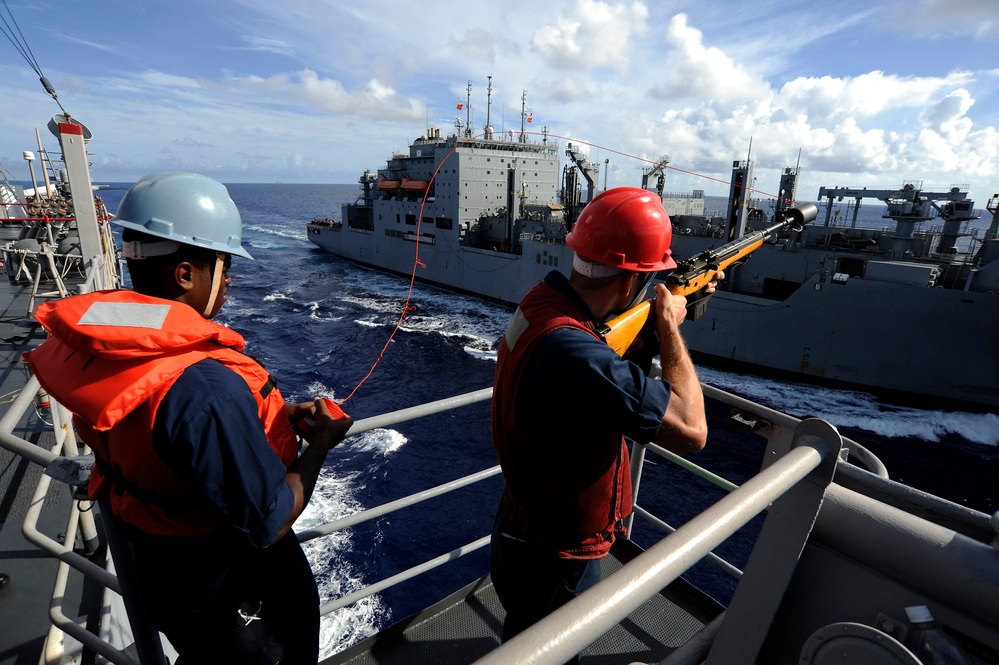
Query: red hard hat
{"points": [[624, 227]]}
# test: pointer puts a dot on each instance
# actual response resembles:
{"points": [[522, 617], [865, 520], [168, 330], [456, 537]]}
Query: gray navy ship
{"points": [[899, 311]]}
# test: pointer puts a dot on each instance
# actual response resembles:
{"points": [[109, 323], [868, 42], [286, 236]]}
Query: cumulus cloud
{"points": [[860, 90], [478, 44], [949, 114], [300, 162], [693, 71], [873, 125], [830, 98], [372, 100], [592, 34]]}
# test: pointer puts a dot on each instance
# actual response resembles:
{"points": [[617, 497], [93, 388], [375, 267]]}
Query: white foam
{"points": [[846, 408], [277, 295], [377, 441], [292, 232], [332, 499]]}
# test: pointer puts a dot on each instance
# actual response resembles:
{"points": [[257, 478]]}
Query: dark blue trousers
{"points": [[532, 582]]}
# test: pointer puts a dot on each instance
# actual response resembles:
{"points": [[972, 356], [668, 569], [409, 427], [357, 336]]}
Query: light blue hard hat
{"points": [[187, 208]]}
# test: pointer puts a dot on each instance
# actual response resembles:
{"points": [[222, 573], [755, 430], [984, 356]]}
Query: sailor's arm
{"points": [[684, 425], [304, 471]]}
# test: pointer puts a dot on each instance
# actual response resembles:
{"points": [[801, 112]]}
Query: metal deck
{"points": [[466, 626]]}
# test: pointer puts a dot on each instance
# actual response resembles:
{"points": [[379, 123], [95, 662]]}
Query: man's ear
{"points": [[183, 275], [627, 285]]}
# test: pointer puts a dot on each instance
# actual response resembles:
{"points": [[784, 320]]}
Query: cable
{"points": [[21, 44]]}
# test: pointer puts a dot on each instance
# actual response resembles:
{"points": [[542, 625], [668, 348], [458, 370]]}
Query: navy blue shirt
{"points": [[574, 382], [208, 428]]}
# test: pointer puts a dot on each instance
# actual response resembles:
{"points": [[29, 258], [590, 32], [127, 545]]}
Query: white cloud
{"points": [[337, 88], [591, 35], [692, 71], [267, 45], [831, 98]]}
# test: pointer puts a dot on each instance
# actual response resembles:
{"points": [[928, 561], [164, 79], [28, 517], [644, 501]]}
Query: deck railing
{"points": [[710, 528]]}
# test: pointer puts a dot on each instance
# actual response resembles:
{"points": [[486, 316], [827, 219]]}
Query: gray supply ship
{"points": [[898, 311], [841, 555]]}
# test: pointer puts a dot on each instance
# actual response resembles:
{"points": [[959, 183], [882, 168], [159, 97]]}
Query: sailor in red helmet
{"points": [[563, 401], [195, 452]]}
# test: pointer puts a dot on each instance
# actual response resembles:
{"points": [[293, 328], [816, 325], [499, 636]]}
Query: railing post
{"points": [[778, 548], [637, 463]]}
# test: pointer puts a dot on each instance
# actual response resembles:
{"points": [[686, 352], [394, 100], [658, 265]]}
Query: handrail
{"points": [[679, 538], [413, 412], [409, 573], [362, 516], [569, 629]]}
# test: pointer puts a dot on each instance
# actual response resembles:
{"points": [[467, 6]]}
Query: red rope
{"points": [[407, 308]]}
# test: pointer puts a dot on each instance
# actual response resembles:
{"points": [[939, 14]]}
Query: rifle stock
{"points": [[692, 275]]}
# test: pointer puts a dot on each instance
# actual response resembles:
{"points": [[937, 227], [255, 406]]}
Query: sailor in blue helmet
{"points": [[563, 401], [196, 455]]}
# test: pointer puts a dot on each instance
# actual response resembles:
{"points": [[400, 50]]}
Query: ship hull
{"points": [[884, 332], [495, 276], [865, 334], [827, 304]]}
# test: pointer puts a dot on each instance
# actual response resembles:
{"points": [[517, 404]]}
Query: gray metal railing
{"points": [[685, 548], [566, 631]]}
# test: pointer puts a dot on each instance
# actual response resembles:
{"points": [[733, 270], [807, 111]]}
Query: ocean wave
{"points": [[850, 408], [291, 232], [333, 499], [382, 442]]}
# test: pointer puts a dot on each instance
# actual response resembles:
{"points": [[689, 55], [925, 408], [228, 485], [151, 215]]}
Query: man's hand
{"points": [[328, 430], [713, 284], [669, 308], [317, 425]]}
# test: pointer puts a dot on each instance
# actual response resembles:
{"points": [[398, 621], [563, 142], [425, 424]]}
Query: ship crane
{"points": [[909, 206], [589, 170], [659, 172]]}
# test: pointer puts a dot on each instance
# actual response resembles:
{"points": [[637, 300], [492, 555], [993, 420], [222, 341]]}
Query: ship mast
{"points": [[468, 112], [489, 103], [523, 116]]}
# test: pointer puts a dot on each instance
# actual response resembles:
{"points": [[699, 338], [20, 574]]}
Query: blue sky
{"points": [[872, 93]]}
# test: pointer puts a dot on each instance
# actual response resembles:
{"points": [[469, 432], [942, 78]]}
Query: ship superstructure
{"points": [[482, 215]]}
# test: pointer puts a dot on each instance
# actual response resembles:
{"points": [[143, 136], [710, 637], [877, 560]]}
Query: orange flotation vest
{"points": [[111, 358], [568, 495]]}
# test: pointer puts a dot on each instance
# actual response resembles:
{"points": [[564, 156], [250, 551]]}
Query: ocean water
{"points": [[322, 325]]}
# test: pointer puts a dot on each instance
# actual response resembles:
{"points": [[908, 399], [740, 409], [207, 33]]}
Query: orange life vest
{"points": [[111, 358]]}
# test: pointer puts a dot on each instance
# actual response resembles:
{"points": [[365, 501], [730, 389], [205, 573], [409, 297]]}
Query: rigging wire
{"points": [[12, 31]]}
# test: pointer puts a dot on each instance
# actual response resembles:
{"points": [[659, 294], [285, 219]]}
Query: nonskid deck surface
{"points": [[466, 626]]}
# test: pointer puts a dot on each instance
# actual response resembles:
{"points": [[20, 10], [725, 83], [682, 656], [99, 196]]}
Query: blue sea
{"points": [[320, 324]]}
